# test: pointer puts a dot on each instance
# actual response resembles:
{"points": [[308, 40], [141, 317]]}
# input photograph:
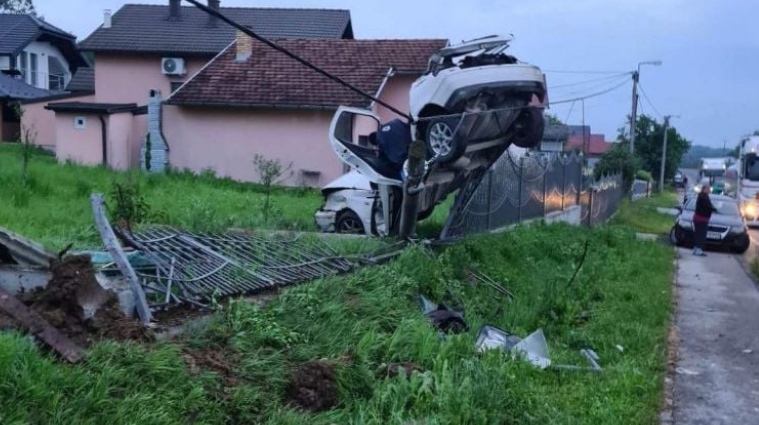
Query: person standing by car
{"points": [[703, 213]]}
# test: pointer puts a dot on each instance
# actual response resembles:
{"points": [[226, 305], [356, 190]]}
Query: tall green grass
{"points": [[642, 215], [53, 206], [364, 321]]}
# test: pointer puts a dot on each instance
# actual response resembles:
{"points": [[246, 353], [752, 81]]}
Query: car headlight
{"points": [[749, 209], [736, 230], [686, 224]]}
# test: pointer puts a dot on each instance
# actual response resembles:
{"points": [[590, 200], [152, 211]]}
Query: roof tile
{"points": [[269, 78], [149, 29]]}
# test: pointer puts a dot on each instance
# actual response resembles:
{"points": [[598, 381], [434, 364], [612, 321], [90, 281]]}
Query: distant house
{"points": [[142, 53], [37, 60], [591, 145]]}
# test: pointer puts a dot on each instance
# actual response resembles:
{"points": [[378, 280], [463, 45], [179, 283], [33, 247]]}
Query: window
{"points": [[56, 76], [33, 68], [80, 123], [22, 66], [175, 85]]}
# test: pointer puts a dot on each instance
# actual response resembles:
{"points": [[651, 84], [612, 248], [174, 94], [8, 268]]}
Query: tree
{"points": [[17, 6], [618, 159], [271, 173], [649, 139], [553, 119]]}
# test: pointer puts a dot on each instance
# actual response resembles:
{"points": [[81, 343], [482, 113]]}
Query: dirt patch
{"points": [[7, 322], [75, 303], [312, 387], [394, 369], [214, 360]]}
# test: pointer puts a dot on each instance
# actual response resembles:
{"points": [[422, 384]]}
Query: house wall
{"points": [[227, 140], [82, 146], [129, 78], [119, 140], [136, 137], [396, 93], [43, 51], [42, 121]]}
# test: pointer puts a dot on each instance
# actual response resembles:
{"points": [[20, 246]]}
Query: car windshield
{"points": [[723, 207]]}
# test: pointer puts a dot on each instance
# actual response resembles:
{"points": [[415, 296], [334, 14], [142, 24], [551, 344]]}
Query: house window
{"points": [[33, 68], [80, 123], [22, 66], [175, 85], [309, 178], [56, 76]]}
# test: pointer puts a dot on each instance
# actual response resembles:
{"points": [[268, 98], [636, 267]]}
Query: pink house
{"points": [[173, 88], [144, 49]]}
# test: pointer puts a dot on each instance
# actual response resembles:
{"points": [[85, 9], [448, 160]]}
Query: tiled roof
{"points": [[17, 30], [269, 78], [596, 143], [82, 81], [148, 28], [13, 88]]}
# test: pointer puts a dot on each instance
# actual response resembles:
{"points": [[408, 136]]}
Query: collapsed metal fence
{"points": [[531, 187]]}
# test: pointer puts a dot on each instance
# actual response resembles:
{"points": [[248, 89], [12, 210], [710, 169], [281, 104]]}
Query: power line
{"points": [[645, 96], [593, 88], [594, 80], [587, 72]]}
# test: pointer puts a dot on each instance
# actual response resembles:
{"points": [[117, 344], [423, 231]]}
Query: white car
{"points": [[471, 105], [474, 93]]}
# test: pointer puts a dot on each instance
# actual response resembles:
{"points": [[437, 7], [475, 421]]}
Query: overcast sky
{"points": [[709, 50]]}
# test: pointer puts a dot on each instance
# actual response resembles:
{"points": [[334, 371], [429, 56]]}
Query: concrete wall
{"points": [[119, 140], [42, 122], [129, 78]]}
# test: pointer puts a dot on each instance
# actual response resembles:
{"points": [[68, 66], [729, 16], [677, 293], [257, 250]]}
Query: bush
{"points": [[644, 175], [618, 159]]}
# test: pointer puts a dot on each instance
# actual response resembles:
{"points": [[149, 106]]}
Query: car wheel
{"points": [[528, 128], [673, 237], [440, 138], [348, 222], [741, 249]]}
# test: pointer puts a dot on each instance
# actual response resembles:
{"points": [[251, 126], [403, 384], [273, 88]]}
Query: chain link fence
{"points": [[514, 190]]}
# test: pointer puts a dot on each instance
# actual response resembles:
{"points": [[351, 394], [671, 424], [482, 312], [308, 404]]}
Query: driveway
{"points": [[717, 379]]}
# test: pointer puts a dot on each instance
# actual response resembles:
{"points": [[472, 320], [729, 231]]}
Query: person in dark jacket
{"points": [[703, 213]]}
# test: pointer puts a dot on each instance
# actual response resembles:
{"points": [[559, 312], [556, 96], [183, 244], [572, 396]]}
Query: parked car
{"points": [[727, 227], [679, 179]]}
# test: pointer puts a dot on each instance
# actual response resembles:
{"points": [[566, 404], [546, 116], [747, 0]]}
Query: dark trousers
{"points": [[700, 233]]}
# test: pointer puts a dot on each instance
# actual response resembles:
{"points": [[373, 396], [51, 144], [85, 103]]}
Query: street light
{"points": [[664, 151], [633, 116]]}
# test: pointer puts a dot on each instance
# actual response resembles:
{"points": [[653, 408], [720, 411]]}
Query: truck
{"points": [[712, 167], [745, 175]]}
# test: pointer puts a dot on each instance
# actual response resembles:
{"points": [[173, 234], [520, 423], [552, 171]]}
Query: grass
{"points": [[53, 205], [643, 217], [364, 321]]}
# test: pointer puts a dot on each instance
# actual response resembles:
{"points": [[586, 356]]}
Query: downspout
{"points": [[104, 139], [390, 73]]}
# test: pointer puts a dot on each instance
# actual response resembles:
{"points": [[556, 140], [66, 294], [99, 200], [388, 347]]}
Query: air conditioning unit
{"points": [[173, 66]]}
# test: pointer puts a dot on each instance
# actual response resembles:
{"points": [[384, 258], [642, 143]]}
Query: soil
{"points": [[214, 360], [75, 303], [312, 386]]}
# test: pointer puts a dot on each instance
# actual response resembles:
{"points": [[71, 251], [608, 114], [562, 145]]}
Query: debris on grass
{"points": [[443, 318], [313, 388], [394, 369]]}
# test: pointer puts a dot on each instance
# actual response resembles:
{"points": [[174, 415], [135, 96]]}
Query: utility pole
{"points": [[663, 154], [634, 114]]}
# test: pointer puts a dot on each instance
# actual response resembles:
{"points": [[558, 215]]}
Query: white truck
{"points": [[745, 174]]}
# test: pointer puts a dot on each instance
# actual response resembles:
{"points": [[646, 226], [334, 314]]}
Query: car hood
{"points": [[350, 180], [719, 219]]}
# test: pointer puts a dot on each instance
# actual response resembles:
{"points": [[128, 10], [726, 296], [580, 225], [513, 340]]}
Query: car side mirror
{"points": [[679, 209]]}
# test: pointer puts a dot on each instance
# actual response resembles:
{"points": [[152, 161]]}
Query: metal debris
{"points": [[15, 249], [443, 318], [194, 268]]}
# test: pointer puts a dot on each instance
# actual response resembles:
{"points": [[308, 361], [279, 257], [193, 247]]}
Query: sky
{"points": [[709, 51]]}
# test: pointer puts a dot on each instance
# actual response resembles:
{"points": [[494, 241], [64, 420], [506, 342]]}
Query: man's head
{"points": [[706, 189]]}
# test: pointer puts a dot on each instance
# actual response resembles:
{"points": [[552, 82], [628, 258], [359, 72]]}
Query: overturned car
{"points": [[472, 103]]}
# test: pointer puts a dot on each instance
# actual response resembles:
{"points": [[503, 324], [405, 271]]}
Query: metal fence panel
{"points": [[515, 190]]}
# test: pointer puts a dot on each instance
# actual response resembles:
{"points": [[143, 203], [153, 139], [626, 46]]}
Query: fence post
{"points": [[579, 183], [519, 204], [590, 207], [490, 197], [545, 190], [563, 183]]}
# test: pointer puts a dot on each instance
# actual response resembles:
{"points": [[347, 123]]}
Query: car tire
{"points": [[740, 249], [348, 222], [528, 128], [673, 237], [440, 137]]}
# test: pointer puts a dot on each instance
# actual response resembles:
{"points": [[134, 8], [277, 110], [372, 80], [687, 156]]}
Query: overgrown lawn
{"points": [[363, 322], [642, 215], [53, 205]]}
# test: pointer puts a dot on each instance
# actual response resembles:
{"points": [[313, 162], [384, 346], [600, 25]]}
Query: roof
{"points": [[149, 29], [18, 30], [270, 79], [82, 81], [91, 107], [596, 143], [13, 88]]}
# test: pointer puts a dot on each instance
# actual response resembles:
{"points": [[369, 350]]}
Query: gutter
{"points": [[104, 139], [254, 106]]}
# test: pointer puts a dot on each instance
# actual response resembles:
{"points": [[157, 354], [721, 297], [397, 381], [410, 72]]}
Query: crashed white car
{"points": [[473, 102]]}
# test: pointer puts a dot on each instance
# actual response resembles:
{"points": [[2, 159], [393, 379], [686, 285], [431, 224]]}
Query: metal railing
{"points": [[527, 188]]}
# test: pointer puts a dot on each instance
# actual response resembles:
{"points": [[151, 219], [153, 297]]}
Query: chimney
{"points": [[174, 8], [213, 4], [107, 18], [244, 45]]}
